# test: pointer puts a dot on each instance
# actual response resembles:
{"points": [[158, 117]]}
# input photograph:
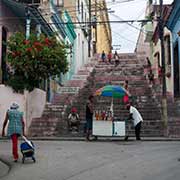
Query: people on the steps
{"points": [[73, 120], [89, 116], [137, 120], [103, 56], [126, 87], [151, 77], [109, 56], [148, 63], [116, 58]]}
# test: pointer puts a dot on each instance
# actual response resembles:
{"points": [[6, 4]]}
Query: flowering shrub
{"points": [[34, 60]]}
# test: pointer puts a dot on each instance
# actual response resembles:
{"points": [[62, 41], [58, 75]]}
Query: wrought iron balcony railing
{"points": [[29, 1]]}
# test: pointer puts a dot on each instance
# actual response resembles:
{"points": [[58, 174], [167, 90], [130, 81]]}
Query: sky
{"points": [[124, 36]]}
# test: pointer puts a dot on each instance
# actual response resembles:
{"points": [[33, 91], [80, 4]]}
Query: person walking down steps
{"points": [[16, 127], [103, 56], [116, 58]]}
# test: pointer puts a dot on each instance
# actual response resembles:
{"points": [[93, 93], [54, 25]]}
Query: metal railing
{"points": [[33, 2]]}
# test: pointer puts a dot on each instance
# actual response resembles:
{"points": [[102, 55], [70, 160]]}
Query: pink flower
{"points": [[47, 42], [37, 44], [29, 49], [26, 42]]}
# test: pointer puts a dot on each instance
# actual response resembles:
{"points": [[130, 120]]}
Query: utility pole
{"points": [[164, 97], [95, 27], [89, 40]]}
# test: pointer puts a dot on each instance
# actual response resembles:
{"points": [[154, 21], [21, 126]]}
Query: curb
{"points": [[100, 138]]}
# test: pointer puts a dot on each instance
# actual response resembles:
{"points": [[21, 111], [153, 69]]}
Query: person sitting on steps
{"points": [[73, 120]]}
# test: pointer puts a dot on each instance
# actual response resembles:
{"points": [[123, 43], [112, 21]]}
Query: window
{"points": [[78, 6], [168, 49], [82, 11], [3, 54], [58, 2]]}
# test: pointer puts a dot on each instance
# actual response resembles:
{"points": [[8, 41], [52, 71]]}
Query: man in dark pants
{"points": [[89, 116], [137, 120]]}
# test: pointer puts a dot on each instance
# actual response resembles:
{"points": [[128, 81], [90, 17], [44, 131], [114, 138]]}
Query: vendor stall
{"points": [[104, 123]]}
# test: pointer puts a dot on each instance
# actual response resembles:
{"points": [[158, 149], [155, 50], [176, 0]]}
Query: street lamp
{"points": [[28, 22]]}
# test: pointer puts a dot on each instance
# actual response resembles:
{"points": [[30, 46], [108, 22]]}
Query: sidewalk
{"points": [[4, 169]]}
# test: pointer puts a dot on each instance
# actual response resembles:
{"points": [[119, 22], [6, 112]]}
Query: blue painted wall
{"points": [[174, 22]]}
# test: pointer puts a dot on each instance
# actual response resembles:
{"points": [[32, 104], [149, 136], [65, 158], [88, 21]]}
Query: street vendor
{"points": [[89, 116], [137, 120]]}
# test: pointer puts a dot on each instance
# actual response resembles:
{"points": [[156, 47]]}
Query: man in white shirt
{"points": [[137, 120]]}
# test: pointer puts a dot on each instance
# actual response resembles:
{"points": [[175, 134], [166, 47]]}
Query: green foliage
{"points": [[34, 59]]}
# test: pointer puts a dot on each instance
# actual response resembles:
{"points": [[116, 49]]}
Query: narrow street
{"points": [[118, 160], [70, 69]]}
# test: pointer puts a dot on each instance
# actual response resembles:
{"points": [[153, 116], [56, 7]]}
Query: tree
{"points": [[33, 60]]}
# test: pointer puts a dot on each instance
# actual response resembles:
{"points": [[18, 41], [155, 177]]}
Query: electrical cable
{"points": [[137, 28], [117, 34]]}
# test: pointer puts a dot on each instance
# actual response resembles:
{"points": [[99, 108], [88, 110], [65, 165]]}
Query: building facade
{"points": [[173, 25], [144, 44], [157, 55], [101, 32], [79, 13]]}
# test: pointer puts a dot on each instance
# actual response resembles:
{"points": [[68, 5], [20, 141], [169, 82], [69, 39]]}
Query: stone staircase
{"points": [[54, 118], [131, 68], [75, 93]]}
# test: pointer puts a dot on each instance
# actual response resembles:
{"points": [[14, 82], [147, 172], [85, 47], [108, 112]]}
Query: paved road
{"points": [[4, 169], [70, 160]]}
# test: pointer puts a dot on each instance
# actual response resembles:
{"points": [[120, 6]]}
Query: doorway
{"points": [[176, 72], [3, 55]]}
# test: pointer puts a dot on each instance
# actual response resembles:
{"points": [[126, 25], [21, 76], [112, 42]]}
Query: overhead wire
{"points": [[132, 42], [94, 4], [121, 21], [139, 29]]}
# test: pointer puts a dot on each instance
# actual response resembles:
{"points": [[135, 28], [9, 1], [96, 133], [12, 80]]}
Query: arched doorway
{"points": [[3, 54]]}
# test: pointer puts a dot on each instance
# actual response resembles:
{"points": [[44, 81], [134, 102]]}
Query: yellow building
{"points": [[102, 38], [101, 33]]}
